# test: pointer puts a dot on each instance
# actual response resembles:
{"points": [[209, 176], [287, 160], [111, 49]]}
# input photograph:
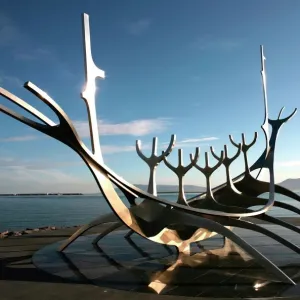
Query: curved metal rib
{"points": [[287, 207], [216, 227], [138, 145], [107, 231], [284, 120], [109, 218], [21, 103], [207, 171], [180, 171], [276, 221], [40, 127], [154, 160], [254, 227], [62, 116]]}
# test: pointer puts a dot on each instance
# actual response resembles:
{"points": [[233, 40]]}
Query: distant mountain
{"points": [[291, 184], [173, 188], [169, 188]]}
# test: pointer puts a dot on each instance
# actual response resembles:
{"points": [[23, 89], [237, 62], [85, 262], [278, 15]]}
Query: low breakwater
{"points": [[7, 233]]}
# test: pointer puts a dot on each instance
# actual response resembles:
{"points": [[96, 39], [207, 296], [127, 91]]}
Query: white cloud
{"points": [[292, 163], [138, 27], [23, 138], [195, 142], [135, 127], [199, 140], [34, 164], [21, 176], [110, 149], [19, 180], [209, 42]]}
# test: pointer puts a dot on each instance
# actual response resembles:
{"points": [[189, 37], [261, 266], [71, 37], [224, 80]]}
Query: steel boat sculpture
{"points": [[179, 224]]}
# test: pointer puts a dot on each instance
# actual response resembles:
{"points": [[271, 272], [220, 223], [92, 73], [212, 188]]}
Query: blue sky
{"points": [[185, 67]]}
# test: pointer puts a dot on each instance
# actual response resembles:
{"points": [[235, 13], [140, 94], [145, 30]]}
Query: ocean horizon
{"points": [[21, 212]]}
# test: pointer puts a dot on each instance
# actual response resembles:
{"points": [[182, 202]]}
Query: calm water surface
{"points": [[18, 213]]}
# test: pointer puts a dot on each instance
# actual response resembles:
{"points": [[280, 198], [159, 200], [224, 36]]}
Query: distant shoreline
{"points": [[42, 194], [81, 194], [14, 233]]}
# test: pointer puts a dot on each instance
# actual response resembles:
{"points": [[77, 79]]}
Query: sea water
{"points": [[19, 213]]}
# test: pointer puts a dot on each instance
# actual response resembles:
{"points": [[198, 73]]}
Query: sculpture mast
{"points": [[88, 93], [265, 125]]}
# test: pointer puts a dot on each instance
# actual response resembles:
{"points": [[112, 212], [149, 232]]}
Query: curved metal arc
{"points": [[254, 227], [35, 125], [171, 145], [280, 112], [214, 226], [230, 160], [167, 163], [193, 158], [276, 221], [253, 141], [109, 218], [107, 231], [284, 120], [214, 154], [219, 163], [209, 170], [233, 142], [70, 137], [138, 145], [62, 116], [196, 158], [287, 207], [153, 155], [21, 103]]}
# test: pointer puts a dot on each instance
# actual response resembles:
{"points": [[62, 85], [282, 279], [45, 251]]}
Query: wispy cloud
{"points": [[35, 54], [291, 163], [138, 27], [199, 140], [34, 164], [11, 80], [19, 175], [209, 42], [195, 142], [110, 149], [135, 127], [10, 34], [24, 48], [23, 138]]}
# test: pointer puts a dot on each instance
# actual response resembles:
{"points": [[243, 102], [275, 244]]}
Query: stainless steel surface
{"points": [[154, 160], [180, 171]]}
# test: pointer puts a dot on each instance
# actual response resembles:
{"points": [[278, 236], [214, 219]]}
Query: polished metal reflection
{"points": [[155, 219]]}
